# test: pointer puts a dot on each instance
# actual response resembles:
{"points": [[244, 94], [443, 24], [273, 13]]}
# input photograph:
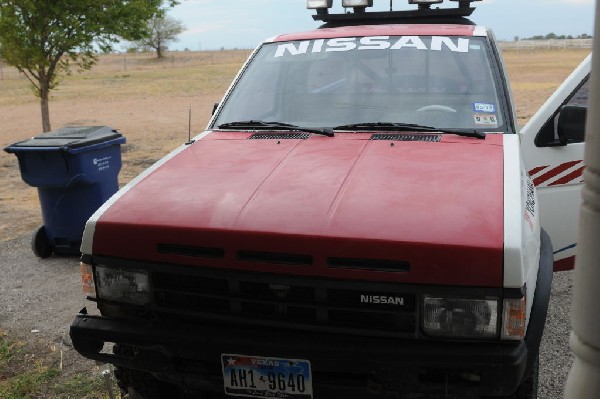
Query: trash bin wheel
{"points": [[39, 243]]}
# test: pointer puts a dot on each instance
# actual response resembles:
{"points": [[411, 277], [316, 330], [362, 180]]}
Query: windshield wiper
{"points": [[411, 127], [276, 125], [465, 132]]}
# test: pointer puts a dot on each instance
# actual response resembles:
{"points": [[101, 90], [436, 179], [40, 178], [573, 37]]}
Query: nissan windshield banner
{"points": [[433, 43]]}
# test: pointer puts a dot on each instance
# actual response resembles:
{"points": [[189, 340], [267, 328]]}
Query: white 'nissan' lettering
{"points": [[382, 299], [437, 43]]}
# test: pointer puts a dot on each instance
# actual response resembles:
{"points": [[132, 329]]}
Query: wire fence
{"points": [[180, 59], [550, 44]]}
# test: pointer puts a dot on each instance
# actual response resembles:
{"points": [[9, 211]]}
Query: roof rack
{"points": [[360, 14]]}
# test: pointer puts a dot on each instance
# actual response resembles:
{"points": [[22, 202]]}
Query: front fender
{"points": [[541, 299]]}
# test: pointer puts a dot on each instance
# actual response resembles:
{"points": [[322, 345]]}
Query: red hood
{"points": [[438, 206]]}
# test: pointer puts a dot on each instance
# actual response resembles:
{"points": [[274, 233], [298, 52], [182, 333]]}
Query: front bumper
{"points": [[357, 366]]}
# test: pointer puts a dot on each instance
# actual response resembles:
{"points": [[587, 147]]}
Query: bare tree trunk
{"points": [[44, 96], [159, 47]]}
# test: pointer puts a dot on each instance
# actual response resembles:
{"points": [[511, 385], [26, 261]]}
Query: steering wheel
{"points": [[436, 107]]}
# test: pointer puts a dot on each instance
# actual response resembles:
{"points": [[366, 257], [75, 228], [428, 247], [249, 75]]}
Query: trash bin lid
{"points": [[68, 139]]}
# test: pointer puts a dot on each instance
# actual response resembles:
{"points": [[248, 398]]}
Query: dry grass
{"points": [[534, 75], [34, 369], [145, 98], [148, 101]]}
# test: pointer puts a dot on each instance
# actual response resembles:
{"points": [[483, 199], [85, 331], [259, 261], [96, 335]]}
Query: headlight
{"points": [[460, 318], [119, 285]]}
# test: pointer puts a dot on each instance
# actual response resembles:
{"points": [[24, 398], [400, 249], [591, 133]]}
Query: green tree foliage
{"points": [[162, 30], [44, 39]]}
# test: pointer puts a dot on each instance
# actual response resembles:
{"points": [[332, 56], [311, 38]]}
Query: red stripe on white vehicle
{"points": [[563, 265], [576, 174], [535, 171], [564, 173]]}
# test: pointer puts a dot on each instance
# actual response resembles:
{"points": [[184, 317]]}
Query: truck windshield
{"points": [[444, 82]]}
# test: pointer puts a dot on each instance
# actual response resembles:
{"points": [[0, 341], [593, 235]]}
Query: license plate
{"points": [[266, 377]]}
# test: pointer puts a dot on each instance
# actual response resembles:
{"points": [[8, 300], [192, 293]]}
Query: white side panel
{"points": [[557, 171], [561, 205], [514, 275], [521, 223]]}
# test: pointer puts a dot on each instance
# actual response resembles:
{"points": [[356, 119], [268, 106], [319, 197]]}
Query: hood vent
{"points": [[279, 136], [380, 265], [186, 250], [430, 138], [271, 257]]}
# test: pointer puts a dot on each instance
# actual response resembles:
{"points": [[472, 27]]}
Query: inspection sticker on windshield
{"points": [[266, 377], [484, 107], [485, 119]]}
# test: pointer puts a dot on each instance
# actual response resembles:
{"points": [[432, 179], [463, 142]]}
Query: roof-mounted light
{"points": [[465, 3], [319, 4], [357, 4], [424, 11], [425, 2]]}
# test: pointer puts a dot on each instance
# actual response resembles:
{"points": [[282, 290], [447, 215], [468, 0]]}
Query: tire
{"points": [[529, 386], [39, 243], [139, 384]]}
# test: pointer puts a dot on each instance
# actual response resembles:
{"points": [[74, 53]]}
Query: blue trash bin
{"points": [[75, 170]]}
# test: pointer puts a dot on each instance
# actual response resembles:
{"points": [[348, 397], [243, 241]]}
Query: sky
{"points": [[243, 24]]}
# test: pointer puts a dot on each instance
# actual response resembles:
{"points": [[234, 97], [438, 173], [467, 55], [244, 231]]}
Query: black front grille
{"points": [[297, 303], [369, 264], [399, 322], [188, 284], [430, 138], [264, 291]]}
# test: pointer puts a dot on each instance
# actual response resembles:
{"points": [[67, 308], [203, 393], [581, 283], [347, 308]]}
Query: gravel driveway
{"points": [[44, 295], [39, 298]]}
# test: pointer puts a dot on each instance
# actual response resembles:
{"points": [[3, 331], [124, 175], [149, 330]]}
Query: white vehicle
{"points": [[552, 144], [359, 220]]}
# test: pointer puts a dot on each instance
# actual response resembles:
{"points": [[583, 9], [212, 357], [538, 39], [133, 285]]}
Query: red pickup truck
{"points": [[356, 221]]}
